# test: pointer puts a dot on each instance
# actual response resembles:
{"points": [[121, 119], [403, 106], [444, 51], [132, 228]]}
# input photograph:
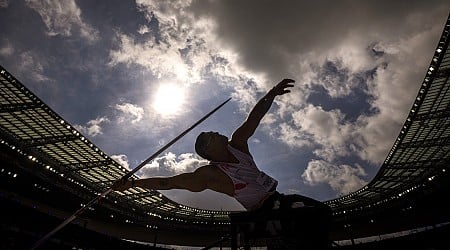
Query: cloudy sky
{"points": [[132, 75]]}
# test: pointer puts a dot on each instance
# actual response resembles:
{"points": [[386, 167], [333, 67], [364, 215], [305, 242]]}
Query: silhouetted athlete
{"points": [[232, 170]]}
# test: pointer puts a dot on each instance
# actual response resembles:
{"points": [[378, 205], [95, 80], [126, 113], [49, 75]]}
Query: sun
{"points": [[168, 99]]}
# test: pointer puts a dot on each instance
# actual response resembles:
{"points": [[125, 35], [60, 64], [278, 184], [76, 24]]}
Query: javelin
{"points": [[126, 176]]}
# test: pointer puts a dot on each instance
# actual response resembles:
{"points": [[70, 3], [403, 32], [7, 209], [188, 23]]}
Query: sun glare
{"points": [[168, 99]]}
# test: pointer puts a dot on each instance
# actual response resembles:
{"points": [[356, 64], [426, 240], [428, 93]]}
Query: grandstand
{"points": [[49, 170]]}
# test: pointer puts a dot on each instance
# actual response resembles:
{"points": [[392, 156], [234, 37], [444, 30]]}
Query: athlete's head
{"points": [[208, 144]]}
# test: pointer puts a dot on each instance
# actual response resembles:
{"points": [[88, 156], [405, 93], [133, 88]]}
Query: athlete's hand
{"points": [[281, 87]]}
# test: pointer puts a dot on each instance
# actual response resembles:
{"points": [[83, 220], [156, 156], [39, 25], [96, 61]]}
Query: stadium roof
{"points": [[420, 153]]}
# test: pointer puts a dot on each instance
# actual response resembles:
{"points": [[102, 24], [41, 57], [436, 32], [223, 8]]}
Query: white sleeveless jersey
{"points": [[251, 185]]}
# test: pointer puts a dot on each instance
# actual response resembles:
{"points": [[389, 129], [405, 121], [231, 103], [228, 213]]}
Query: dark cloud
{"points": [[268, 34]]}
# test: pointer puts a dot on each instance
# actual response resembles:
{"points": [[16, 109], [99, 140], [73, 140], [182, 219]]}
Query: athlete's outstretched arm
{"points": [[247, 129], [196, 181]]}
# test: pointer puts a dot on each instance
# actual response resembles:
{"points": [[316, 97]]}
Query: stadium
{"points": [[49, 170]]}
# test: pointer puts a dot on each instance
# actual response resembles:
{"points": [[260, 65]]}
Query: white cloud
{"points": [[32, 66], [122, 160], [93, 127], [290, 135], [130, 111], [170, 164], [185, 49], [394, 87], [339, 80], [179, 50], [327, 129], [343, 178], [400, 69], [62, 17], [161, 60], [143, 29]]}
